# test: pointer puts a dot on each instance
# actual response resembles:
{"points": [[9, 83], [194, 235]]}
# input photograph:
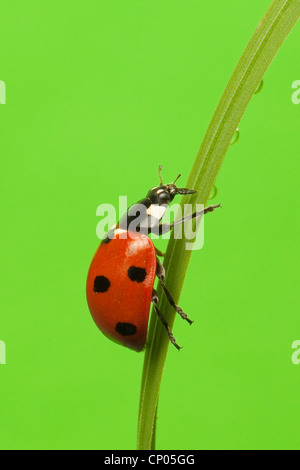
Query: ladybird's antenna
{"points": [[177, 178], [159, 174]]}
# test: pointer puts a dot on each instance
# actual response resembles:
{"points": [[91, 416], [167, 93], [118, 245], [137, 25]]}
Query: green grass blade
{"points": [[261, 50]]}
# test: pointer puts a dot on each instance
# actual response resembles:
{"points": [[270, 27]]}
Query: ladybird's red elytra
{"points": [[121, 277], [120, 303]]}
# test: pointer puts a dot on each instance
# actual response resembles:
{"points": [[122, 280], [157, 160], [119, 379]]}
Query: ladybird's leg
{"points": [[159, 253], [164, 228], [160, 272], [155, 300]]}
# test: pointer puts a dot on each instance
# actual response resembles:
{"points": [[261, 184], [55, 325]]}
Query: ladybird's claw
{"points": [[173, 340], [181, 313], [212, 208], [177, 346]]}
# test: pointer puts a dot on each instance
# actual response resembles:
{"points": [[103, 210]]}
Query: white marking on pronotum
{"points": [[119, 231], [156, 211]]}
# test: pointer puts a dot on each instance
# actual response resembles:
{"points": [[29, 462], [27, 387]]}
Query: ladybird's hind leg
{"points": [[160, 272], [155, 300]]}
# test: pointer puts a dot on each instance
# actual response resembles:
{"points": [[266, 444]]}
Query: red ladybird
{"points": [[120, 282]]}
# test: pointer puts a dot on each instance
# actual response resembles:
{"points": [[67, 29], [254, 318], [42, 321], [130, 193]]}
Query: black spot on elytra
{"points": [[101, 284], [137, 274], [126, 329]]}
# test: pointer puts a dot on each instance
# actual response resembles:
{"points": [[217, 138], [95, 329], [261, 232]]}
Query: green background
{"points": [[98, 95]]}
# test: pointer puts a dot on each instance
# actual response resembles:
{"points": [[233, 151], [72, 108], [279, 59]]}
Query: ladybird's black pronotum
{"points": [[120, 282]]}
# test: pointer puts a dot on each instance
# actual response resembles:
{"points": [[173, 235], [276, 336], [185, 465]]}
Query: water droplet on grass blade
{"points": [[235, 137], [213, 193], [260, 87]]}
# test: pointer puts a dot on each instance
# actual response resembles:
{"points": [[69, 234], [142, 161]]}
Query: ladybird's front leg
{"points": [[160, 272], [155, 301], [165, 228]]}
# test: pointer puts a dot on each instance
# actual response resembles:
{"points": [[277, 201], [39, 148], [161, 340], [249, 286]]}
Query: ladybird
{"points": [[121, 277]]}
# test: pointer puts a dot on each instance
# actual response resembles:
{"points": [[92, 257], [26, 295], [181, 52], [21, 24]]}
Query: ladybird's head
{"points": [[165, 193]]}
